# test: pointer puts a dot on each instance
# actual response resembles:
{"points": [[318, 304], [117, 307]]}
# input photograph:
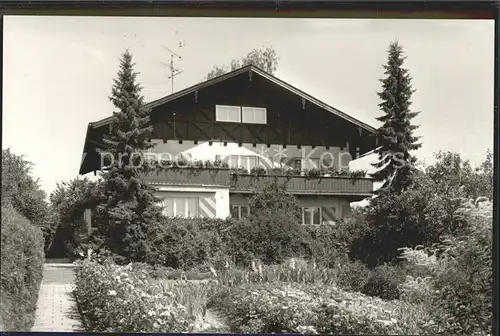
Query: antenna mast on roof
{"points": [[173, 70]]}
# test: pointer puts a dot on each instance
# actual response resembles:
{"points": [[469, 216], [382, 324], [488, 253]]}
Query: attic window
{"points": [[226, 113], [254, 115]]}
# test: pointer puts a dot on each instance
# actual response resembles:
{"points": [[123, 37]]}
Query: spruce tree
{"points": [[130, 209], [395, 137]]}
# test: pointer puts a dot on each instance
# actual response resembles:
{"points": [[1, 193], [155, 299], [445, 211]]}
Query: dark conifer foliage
{"points": [[130, 208], [396, 135]]}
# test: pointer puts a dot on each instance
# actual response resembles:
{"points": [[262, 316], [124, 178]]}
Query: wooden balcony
{"points": [[353, 188]]}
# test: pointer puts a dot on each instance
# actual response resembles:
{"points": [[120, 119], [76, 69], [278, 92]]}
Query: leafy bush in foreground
{"points": [[454, 280], [24, 192], [128, 298], [273, 307], [22, 260], [384, 282], [114, 299], [464, 278]]}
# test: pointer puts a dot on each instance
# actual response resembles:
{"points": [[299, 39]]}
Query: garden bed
{"points": [[118, 299], [293, 297]]}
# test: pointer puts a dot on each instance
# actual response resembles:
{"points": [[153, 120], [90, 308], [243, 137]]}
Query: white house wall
{"points": [[213, 202]]}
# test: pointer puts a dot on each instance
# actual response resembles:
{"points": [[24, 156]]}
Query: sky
{"points": [[58, 73]]}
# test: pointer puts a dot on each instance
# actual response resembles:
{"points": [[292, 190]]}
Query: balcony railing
{"points": [[246, 183]]}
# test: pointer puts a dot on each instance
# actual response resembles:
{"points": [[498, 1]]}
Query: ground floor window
{"points": [[311, 215], [240, 211], [180, 207]]}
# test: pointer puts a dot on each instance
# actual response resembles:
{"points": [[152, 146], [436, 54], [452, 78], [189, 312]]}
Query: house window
{"points": [[252, 162], [245, 161], [226, 113], [240, 211], [233, 161], [311, 215], [297, 164], [254, 115], [180, 207]]}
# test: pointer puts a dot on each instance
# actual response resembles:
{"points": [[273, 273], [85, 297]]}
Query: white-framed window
{"points": [[180, 207], [227, 113], [311, 215], [246, 161], [240, 211], [254, 115]]}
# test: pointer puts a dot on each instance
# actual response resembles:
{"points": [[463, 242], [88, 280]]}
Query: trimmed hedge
{"points": [[22, 259]]}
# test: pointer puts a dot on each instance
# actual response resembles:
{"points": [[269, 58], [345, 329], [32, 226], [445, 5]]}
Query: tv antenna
{"points": [[173, 70]]}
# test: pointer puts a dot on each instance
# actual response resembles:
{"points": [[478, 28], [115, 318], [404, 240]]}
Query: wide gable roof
{"points": [[237, 72], [92, 141]]}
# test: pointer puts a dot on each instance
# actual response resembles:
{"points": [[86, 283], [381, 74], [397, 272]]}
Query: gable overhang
{"points": [[93, 144]]}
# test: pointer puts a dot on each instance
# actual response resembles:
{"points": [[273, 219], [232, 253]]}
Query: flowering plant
{"points": [[292, 307], [116, 299]]}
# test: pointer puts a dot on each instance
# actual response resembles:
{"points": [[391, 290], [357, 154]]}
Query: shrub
{"points": [[270, 235], [420, 266], [454, 280], [464, 278], [68, 202], [417, 216], [22, 260], [329, 244], [24, 192], [116, 299], [273, 231], [352, 275], [272, 307], [417, 290], [384, 282], [423, 214], [275, 197], [188, 242]]}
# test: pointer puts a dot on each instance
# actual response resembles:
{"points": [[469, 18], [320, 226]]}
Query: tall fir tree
{"points": [[395, 166], [130, 208]]}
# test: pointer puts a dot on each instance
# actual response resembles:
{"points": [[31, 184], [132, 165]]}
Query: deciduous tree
{"points": [[265, 59]]}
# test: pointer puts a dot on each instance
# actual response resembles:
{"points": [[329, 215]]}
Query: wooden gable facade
{"points": [[293, 117]]}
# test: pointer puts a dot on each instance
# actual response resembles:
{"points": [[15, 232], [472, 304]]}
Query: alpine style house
{"points": [[249, 118]]}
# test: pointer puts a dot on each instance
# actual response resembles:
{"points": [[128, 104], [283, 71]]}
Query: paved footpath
{"points": [[57, 310]]}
